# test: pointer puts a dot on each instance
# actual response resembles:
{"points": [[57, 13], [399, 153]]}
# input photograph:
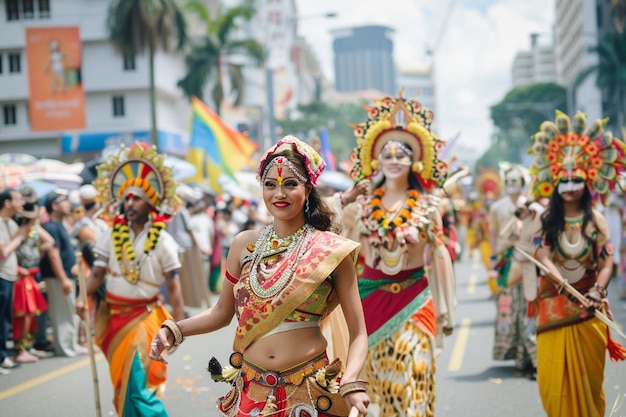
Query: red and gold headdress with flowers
{"points": [[488, 184], [560, 152], [402, 120], [314, 163]]}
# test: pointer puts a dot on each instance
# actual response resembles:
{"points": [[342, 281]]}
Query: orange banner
{"points": [[56, 100]]}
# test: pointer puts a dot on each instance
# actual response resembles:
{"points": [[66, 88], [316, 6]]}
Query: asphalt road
{"points": [[469, 383]]}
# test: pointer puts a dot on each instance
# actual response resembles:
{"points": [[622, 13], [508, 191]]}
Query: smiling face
{"points": [[284, 193], [395, 160]]}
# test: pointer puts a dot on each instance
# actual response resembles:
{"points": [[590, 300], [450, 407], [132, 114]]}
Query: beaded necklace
{"points": [[384, 225], [268, 281], [574, 223], [124, 250]]}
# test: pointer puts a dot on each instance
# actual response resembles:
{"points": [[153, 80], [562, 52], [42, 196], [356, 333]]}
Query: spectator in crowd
{"points": [[56, 270], [28, 300], [11, 236]]}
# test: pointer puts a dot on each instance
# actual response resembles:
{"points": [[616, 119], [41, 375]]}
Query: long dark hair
{"points": [[319, 215], [553, 220]]}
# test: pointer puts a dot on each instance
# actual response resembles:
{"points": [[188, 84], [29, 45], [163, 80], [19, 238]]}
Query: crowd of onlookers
{"points": [[40, 238]]}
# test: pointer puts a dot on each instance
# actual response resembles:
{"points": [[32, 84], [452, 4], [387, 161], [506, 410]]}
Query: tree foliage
{"points": [[610, 73], [518, 116], [137, 25], [213, 54], [308, 120]]}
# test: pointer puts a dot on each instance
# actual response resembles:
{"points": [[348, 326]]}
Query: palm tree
{"points": [[610, 70], [135, 25], [211, 53]]}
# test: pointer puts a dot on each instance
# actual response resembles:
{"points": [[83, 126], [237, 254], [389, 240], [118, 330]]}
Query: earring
{"points": [[306, 206]]}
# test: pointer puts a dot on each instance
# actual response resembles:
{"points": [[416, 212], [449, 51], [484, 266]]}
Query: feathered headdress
{"points": [[403, 120], [488, 181], [592, 155], [138, 169]]}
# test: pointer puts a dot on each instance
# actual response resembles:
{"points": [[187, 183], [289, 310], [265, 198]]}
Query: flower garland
{"points": [[123, 247], [384, 224]]}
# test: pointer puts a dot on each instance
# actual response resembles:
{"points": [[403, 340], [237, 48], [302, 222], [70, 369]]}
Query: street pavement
{"points": [[468, 382]]}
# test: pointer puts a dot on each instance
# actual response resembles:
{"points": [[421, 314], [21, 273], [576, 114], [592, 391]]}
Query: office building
{"points": [[364, 59]]}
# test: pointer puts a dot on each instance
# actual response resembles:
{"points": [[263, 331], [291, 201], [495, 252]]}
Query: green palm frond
{"points": [[216, 47], [248, 47], [201, 64], [227, 22], [237, 82], [134, 25]]}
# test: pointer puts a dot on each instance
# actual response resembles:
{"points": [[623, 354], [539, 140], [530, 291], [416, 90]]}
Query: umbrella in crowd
{"points": [[181, 169], [336, 180]]}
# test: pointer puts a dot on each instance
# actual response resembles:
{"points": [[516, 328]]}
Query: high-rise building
{"points": [[418, 83], [364, 59], [575, 31], [112, 95], [534, 66]]}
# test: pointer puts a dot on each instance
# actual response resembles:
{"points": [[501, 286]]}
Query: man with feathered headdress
{"points": [[139, 256]]}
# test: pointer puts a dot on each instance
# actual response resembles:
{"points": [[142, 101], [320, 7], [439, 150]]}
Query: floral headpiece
{"points": [[140, 170], [402, 120], [313, 161], [488, 181], [592, 155]]}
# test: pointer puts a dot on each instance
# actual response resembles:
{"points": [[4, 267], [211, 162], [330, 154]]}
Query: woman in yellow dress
{"points": [[574, 168]]}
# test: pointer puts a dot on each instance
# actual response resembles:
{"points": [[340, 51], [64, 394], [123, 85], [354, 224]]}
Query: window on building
{"points": [[12, 10], [44, 9], [15, 62], [129, 62], [28, 7], [118, 106], [1, 62], [10, 115]]}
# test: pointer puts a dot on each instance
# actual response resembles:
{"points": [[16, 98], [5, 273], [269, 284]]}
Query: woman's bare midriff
{"points": [[284, 350]]}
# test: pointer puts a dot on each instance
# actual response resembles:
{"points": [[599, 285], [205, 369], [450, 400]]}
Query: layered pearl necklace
{"points": [[269, 279]]}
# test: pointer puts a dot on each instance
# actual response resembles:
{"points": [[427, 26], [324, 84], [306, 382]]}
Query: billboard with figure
{"points": [[56, 97]]}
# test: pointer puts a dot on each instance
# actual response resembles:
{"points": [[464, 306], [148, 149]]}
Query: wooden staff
{"points": [[87, 319], [354, 412], [564, 285]]}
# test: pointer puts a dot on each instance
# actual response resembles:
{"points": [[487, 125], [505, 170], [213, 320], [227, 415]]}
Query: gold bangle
{"points": [[353, 386], [175, 329], [601, 290]]}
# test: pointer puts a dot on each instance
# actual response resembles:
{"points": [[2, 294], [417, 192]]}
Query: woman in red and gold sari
{"points": [[281, 281], [575, 246]]}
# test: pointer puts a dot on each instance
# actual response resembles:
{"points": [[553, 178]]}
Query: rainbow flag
{"points": [[327, 153], [214, 147]]}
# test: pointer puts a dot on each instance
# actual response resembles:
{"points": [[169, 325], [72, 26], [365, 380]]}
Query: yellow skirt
{"points": [[570, 369]]}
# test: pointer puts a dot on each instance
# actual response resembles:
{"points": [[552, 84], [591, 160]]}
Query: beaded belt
{"points": [[396, 287], [294, 375], [148, 305]]}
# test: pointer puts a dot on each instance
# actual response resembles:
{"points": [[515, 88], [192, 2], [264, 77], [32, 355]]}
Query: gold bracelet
{"points": [[353, 386], [175, 329], [601, 290]]}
